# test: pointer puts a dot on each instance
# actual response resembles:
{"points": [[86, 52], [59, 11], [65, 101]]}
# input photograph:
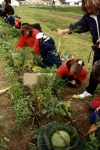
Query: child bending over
{"points": [[72, 72]]}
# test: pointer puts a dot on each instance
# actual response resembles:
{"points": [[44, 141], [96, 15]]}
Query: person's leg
{"points": [[92, 83]]}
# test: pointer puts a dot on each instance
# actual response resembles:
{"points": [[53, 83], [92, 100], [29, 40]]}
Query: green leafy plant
{"points": [[11, 73], [65, 109], [50, 107], [60, 139], [24, 60], [93, 144], [19, 103], [45, 133], [46, 93], [3, 144]]}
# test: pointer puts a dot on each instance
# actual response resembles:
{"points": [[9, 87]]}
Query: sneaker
{"points": [[84, 94]]}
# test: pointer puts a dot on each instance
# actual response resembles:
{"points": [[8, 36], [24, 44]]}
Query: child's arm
{"points": [[21, 43]]}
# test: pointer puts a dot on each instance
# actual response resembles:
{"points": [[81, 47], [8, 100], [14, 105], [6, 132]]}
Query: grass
{"points": [[77, 45]]}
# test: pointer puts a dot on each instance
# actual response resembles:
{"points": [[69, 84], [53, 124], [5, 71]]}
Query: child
{"points": [[8, 9], [95, 106], [28, 38], [48, 51], [10, 20], [17, 22], [72, 72], [35, 25]]}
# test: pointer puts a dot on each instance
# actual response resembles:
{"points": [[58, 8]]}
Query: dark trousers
{"points": [[92, 82]]}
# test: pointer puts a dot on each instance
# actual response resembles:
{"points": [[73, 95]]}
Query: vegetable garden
{"points": [[45, 115]]}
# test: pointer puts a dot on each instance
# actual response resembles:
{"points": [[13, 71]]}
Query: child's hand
{"points": [[97, 109], [73, 82]]}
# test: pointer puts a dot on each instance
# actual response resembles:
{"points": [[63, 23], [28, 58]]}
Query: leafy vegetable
{"points": [[46, 133], [60, 139], [65, 109]]}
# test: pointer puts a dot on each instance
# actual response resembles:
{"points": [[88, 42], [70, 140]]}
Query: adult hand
{"points": [[97, 109], [98, 41], [61, 32]]}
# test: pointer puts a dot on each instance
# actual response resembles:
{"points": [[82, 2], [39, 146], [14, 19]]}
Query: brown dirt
{"points": [[14, 139], [19, 139]]}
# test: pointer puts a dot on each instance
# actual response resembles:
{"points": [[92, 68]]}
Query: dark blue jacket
{"points": [[11, 20], [89, 22], [93, 116], [49, 53]]}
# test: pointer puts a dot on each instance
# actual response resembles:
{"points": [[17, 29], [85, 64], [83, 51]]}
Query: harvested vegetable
{"points": [[4, 90], [92, 128], [76, 96]]}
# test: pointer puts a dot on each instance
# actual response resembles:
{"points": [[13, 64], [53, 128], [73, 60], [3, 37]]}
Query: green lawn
{"points": [[77, 45]]}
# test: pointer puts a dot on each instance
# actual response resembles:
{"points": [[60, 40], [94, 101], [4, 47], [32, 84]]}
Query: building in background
{"points": [[73, 2], [14, 3], [44, 2], [1, 1]]}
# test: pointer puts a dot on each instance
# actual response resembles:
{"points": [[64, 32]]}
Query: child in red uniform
{"points": [[73, 72], [28, 38], [95, 106], [17, 22]]}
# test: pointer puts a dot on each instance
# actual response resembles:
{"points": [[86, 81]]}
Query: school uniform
{"points": [[95, 103], [29, 41], [17, 23], [65, 73], [49, 53], [10, 20]]}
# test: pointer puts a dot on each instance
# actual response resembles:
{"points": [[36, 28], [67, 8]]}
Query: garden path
{"points": [[6, 113]]}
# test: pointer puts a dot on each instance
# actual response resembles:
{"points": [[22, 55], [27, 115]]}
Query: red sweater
{"points": [[17, 23], [96, 102], [63, 71], [30, 41]]}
